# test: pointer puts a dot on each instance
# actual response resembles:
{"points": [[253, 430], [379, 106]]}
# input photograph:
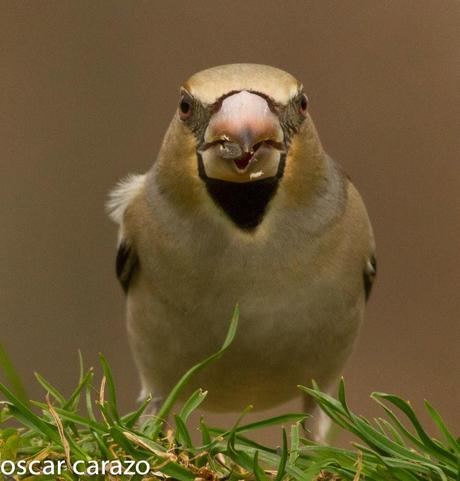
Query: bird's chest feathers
{"points": [[282, 292], [217, 272]]}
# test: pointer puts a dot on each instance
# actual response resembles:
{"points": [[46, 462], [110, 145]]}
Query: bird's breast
{"points": [[282, 287]]}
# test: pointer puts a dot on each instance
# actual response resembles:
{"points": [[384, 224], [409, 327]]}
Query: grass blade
{"points": [[257, 470], [192, 403], [48, 387], [73, 400], [283, 460], [182, 434], [205, 435], [131, 419], [12, 377], [405, 407], [454, 443], [28, 417], [295, 438], [112, 396]]}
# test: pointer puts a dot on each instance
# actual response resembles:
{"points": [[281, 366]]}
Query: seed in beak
{"points": [[234, 151], [230, 150]]}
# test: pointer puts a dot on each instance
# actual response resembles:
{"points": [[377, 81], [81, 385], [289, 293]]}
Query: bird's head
{"points": [[236, 130]]}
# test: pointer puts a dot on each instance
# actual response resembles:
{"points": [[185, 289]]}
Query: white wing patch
{"points": [[122, 195]]}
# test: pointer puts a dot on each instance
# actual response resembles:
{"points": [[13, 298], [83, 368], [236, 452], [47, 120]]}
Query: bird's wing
{"points": [[126, 264], [370, 271], [120, 198], [364, 238]]}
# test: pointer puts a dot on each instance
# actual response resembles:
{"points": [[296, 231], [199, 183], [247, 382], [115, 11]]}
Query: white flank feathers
{"points": [[122, 195]]}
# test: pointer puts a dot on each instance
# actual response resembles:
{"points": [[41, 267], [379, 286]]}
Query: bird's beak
{"points": [[243, 141]]}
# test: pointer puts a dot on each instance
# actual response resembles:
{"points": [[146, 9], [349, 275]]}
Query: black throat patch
{"points": [[245, 203]]}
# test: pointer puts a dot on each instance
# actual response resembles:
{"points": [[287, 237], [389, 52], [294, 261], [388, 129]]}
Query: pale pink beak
{"points": [[243, 141], [244, 118]]}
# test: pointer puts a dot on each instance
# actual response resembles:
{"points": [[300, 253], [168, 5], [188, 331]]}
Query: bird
{"points": [[242, 205]]}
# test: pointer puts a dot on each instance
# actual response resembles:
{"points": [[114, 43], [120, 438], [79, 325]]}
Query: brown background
{"points": [[87, 90]]}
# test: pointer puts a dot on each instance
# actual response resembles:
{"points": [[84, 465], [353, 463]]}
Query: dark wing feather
{"points": [[369, 273], [127, 263]]}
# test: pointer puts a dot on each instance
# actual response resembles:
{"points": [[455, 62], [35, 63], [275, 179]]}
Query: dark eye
{"points": [[303, 104], [185, 107]]}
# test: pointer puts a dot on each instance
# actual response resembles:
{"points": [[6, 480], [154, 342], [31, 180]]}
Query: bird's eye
{"points": [[303, 104], [185, 107]]}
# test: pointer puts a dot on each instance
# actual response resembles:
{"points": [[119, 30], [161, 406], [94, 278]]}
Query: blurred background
{"points": [[87, 90]]}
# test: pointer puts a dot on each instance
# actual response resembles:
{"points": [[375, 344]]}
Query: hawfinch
{"points": [[242, 205]]}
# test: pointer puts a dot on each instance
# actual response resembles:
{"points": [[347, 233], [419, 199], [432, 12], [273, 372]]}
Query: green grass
{"points": [[87, 426]]}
